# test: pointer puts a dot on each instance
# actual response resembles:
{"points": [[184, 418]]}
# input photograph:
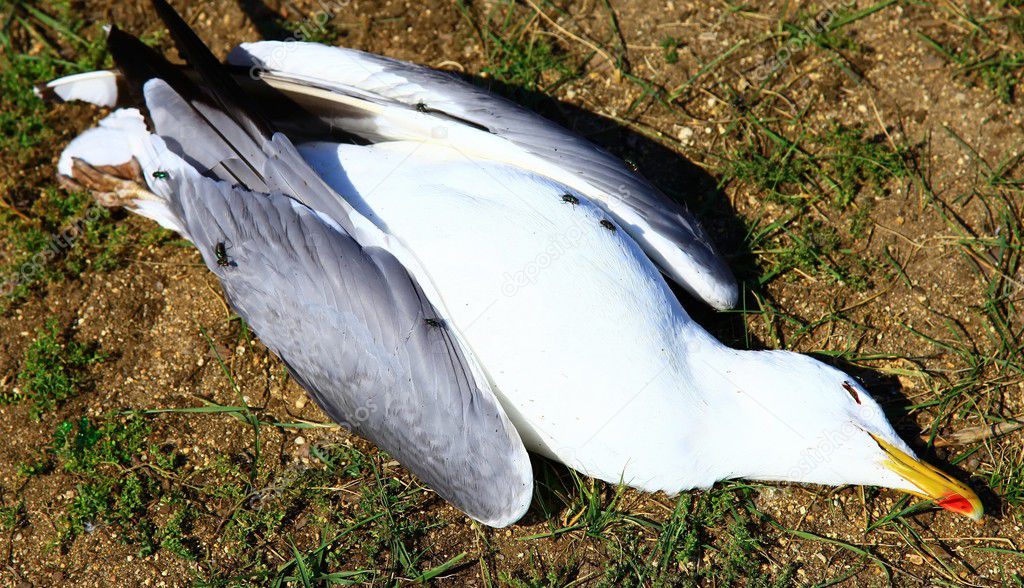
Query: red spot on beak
{"points": [[956, 503]]}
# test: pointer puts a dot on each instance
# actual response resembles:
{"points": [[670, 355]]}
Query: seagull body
{"points": [[539, 275], [594, 359], [579, 333]]}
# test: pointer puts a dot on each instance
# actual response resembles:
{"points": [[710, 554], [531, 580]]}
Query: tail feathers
{"points": [[101, 88], [99, 160]]}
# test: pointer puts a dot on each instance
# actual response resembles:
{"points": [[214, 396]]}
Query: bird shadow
{"points": [[700, 192], [268, 22]]}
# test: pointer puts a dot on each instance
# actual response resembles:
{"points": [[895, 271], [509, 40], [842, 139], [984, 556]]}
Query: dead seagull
{"points": [[409, 281]]}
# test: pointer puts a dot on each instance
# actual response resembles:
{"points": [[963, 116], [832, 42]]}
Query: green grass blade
{"points": [[844, 545], [438, 570]]}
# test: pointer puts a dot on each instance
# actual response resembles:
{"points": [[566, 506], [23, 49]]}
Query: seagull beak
{"points": [[931, 482]]}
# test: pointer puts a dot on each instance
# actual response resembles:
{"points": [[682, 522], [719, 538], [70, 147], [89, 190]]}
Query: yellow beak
{"points": [[932, 483]]}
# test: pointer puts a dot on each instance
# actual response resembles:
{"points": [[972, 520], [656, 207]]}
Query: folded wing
{"points": [[359, 92], [363, 340], [321, 289], [318, 91]]}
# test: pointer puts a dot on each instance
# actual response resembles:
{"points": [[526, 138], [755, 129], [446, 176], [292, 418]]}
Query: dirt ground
{"points": [[856, 162]]}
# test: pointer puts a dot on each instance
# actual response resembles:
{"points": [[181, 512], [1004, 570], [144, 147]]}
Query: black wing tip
{"points": [[44, 92], [217, 80], [116, 35], [140, 63]]}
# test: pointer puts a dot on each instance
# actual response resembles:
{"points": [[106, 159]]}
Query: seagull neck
{"points": [[742, 423]]}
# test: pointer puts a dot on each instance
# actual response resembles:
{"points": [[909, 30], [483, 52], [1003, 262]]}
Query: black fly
{"points": [[570, 199], [422, 107], [431, 322], [221, 251], [631, 164], [608, 225], [161, 175]]}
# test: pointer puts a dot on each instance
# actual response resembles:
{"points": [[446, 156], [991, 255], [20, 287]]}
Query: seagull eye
{"points": [[851, 391]]}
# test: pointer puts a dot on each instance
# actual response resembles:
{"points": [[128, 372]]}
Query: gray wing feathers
{"points": [[188, 130], [666, 230], [351, 325], [350, 322], [216, 144]]}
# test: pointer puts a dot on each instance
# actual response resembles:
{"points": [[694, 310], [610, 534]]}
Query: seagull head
{"points": [[797, 419]]}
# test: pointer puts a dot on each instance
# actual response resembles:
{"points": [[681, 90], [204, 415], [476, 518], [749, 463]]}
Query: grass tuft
{"points": [[518, 54], [817, 178], [52, 371], [118, 484]]}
